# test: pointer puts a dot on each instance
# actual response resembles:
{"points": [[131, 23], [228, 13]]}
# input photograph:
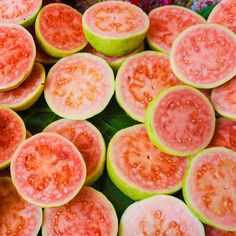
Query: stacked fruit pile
{"points": [[62, 76]]}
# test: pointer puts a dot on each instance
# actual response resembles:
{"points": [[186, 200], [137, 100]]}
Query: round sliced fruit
{"points": [[19, 11], [167, 22], [139, 169], [224, 13], [115, 28], [89, 213], [12, 133], [209, 187], [43, 57], [27, 93], [223, 99], [47, 170], [204, 55], [211, 231], [79, 86], [17, 50], [225, 134], [180, 121], [140, 79], [58, 28], [88, 140], [17, 216], [160, 215]]}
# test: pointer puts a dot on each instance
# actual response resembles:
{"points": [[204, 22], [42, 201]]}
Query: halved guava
{"points": [[211, 231], [209, 187], [160, 215], [225, 134], [89, 213], [19, 11], [224, 13], [58, 29], [17, 50], [167, 22], [17, 216], [43, 57], [47, 170], [139, 169], [204, 55], [140, 79], [79, 86], [27, 93], [223, 99], [88, 140], [180, 121], [114, 62], [115, 28], [12, 133]]}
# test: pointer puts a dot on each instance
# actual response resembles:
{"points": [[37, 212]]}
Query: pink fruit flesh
{"points": [[210, 231]]}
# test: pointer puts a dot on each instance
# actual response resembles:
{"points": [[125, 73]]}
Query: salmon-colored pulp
{"points": [[25, 90], [76, 85], [12, 134], [47, 169], [17, 217], [166, 23], [225, 14], [142, 164], [86, 214], [210, 231], [211, 187], [142, 79], [183, 121], [17, 11], [116, 19], [225, 134], [205, 55], [61, 27], [84, 137], [17, 51], [224, 97]]}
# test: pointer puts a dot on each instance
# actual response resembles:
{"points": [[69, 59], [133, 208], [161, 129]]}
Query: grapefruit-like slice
{"points": [[167, 22], [17, 216], [115, 28], [160, 215], [209, 187], [12, 133], [140, 79], [89, 213], [180, 121], [223, 99], [47, 170], [58, 29], [27, 93], [139, 169], [79, 86], [88, 140], [204, 55], [17, 50]]}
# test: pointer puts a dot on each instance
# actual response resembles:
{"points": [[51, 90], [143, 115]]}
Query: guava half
{"points": [[12, 134], [88, 140], [159, 215], [17, 52], [17, 216], [115, 28], [47, 170], [140, 78], [139, 169], [167, 22], [79, 86], [89, 213], [211, 231], [58, 29], [204, 55], [209, 187]]}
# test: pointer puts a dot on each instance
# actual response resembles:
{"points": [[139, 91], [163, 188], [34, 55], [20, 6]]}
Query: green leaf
{"points": [[205, 12]]}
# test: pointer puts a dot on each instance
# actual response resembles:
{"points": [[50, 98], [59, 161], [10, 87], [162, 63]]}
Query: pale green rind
{"points": [[150, 126], [178, 73], [186, 194]]}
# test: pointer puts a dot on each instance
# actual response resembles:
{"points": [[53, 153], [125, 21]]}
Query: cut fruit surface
{"points": [[211, 231]]}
